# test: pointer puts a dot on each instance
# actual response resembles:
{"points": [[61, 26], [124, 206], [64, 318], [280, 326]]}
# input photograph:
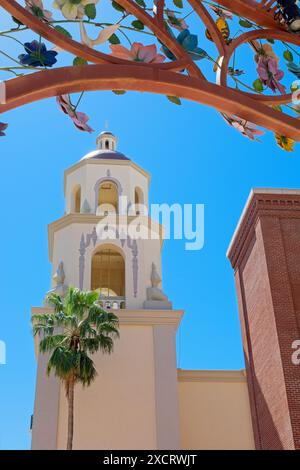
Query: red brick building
{"points": [[265, 255]]}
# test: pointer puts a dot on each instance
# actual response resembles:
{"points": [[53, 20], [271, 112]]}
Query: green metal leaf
{"points": [[174, 99], [245, 23], [117, 7], [90, 11], [288, 55], [79, 61], [63, 31], [137, 24], [258, 85], [178, 3], [141, 3], [114, 39]]}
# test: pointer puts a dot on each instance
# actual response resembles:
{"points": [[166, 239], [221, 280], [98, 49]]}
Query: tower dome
{"points": [[106, 148]]}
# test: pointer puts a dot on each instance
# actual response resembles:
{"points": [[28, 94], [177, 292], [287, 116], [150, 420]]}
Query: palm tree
{"points": [[77, 328]]}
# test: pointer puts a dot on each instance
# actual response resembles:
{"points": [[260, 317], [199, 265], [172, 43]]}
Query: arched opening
{"points": [[107, 144], [76, 199], [107, 198], [138, 200], [108, 277]]}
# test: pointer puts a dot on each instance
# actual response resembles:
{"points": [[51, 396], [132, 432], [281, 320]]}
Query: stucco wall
{"points": [[133, 403], [119, 400], [214, 410]]}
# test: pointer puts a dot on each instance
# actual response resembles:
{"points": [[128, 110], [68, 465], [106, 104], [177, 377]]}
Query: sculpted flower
{"points": [[79, 119], [189, 42], [3, 127], [177, 23], [37, 55], [138, 53], [267, 66], [36, 7], [246, 128], [269, 73], [264, 49], [72, 9]]}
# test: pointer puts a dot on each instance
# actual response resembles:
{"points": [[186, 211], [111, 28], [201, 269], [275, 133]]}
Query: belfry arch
{"points": [[108, 274], [108, 197], [107, 193]]}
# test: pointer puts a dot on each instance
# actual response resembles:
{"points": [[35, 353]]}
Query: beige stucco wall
{"points": [[86, 174], [119, 401], [214, 410], [133, 403]]}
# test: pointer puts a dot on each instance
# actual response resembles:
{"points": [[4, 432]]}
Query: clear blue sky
{"points": [[193, 156]]}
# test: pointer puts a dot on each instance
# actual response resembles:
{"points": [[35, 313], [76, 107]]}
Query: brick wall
{"points": [[265, 254]]}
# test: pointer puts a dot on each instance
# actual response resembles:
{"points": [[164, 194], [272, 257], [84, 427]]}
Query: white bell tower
{"points": [[107, 242]]}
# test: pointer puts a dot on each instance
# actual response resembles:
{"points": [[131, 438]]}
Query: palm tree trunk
{"points": [[70, 414]]}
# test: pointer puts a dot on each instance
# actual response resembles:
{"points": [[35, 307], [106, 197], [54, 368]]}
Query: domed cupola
{"points": [[106, 148], [106, 141]]}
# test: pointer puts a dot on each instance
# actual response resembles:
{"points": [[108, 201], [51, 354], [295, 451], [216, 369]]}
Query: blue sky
{"points": [[193, 157]]}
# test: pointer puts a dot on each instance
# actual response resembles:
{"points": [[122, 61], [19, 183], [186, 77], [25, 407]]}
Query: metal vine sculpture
{"points": [[239, 56]]}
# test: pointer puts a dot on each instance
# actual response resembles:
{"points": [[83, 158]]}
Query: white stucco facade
{"points": [[139, 400]]}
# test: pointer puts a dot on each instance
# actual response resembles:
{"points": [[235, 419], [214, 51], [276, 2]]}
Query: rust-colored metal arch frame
{"points": [[112, 73], [49, 83]]}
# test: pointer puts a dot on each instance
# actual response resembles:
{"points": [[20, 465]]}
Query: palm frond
{"points": [[77, 327], [86, 372], [48, 343], [55, 301]]}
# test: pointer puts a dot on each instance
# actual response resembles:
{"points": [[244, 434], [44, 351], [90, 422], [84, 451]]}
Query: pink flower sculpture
{"points": [[269, 73], [36, 7], [138, 53], [246, 128], [79, 119]]}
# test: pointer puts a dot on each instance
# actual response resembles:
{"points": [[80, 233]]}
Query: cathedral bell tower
{"points": [[107, 242]]}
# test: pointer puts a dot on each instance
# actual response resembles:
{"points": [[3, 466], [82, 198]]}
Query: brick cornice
{"points": [[261, 202]]}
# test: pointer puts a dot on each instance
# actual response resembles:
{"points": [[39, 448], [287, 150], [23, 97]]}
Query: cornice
{"points": [[261, 201], [92, 219], [130, 317], [106, 162], [211, 375]]}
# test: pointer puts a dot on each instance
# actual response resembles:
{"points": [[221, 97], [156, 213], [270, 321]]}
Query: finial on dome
{"points": [[106, 141]]}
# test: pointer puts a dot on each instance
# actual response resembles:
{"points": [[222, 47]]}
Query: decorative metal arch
{"points": [[108, 72]]}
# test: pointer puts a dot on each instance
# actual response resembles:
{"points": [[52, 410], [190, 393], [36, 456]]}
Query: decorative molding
{"points": [[135, 317], [85, 242], [92, 219], [212, 375], [132, 244], [82, 163], [273, 201], [85, 208]]}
